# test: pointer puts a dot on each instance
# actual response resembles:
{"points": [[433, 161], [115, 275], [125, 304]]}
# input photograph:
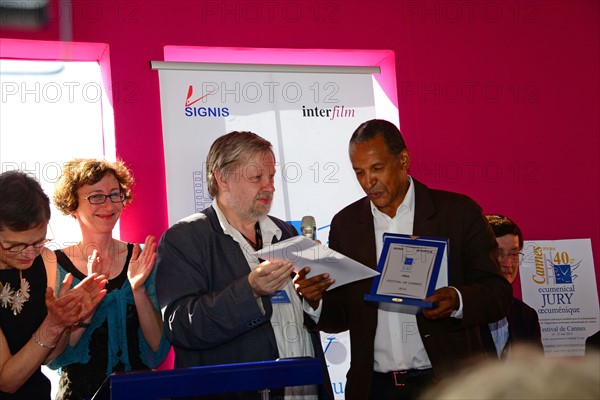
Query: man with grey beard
{"points": [[221, 304]]}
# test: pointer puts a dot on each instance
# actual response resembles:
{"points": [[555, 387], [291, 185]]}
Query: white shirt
{"points": [[292, 337], [398, 344], [500, 334]]}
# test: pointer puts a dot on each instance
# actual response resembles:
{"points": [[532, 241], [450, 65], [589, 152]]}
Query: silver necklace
{"points": [[15, 299]]}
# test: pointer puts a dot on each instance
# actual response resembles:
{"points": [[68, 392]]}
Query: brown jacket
{"points": [[473, 270]]}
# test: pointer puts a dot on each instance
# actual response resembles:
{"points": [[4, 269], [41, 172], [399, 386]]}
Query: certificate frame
{"points": [[431, 252]]}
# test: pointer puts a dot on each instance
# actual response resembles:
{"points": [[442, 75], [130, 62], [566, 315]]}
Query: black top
{"points": [[81, 381], [19, 328]]}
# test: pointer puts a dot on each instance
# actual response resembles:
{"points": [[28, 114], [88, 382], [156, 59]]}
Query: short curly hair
{"points": [[88, 171]]}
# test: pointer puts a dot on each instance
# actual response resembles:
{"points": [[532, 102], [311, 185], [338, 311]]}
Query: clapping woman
{"points": [[125, 332], [34, 324]]}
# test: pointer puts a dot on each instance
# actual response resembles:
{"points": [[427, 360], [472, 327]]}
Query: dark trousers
{"points": [[401, 385]]}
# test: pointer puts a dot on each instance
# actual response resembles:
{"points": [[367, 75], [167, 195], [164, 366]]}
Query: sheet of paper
{"points": [[303, 252]]}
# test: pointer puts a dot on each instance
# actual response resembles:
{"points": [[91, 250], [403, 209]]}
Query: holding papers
{"points": [[303, 252], [409, 268]]}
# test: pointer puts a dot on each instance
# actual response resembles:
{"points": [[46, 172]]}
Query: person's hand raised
{"points": [[142, 263], [96, 265], [90, 293], [65, 308]]}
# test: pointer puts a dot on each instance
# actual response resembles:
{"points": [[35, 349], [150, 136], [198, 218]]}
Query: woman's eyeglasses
{"points": [[117, 197], [19, 247]]}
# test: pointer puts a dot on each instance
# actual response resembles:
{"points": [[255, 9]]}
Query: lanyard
{"points": [[259, 242]]}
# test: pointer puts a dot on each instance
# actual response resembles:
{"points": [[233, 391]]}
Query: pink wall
{"points": [[498, 100]]}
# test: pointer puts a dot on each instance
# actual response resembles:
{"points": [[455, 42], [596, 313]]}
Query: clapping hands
{"points": [[70, 306], [142, 263]]}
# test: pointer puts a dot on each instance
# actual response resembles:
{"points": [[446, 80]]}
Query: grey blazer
{"points": [[209, 311]]}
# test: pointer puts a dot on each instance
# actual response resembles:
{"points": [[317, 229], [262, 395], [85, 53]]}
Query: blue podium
{"points": [[223, 378]]}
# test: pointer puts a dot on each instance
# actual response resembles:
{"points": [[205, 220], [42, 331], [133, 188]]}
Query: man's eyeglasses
{"points": [[116, 197], [513, 256], [19, 247]]}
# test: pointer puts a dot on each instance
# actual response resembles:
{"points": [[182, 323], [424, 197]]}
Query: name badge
{"points": [[280, 297]]}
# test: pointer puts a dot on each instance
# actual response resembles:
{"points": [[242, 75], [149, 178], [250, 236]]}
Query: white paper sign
{"points": [[558, 281], [404, 278]]}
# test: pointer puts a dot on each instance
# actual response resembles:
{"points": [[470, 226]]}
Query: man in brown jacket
{"points": [[395, 355]]}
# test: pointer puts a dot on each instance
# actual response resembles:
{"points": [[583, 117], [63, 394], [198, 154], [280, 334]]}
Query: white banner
{"points": [[308, 117], [558, 281]]}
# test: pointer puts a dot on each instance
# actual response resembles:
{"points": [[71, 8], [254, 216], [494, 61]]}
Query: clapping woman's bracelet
{"points": [[45, 346]]}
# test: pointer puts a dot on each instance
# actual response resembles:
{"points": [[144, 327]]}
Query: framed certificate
{"points": [[409, 267]]}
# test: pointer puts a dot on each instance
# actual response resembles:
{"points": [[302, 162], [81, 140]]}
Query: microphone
{"points": [[308, 226]]}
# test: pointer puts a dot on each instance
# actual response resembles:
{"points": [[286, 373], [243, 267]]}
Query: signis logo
{"points": [[189, 102], [202, 111]]}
